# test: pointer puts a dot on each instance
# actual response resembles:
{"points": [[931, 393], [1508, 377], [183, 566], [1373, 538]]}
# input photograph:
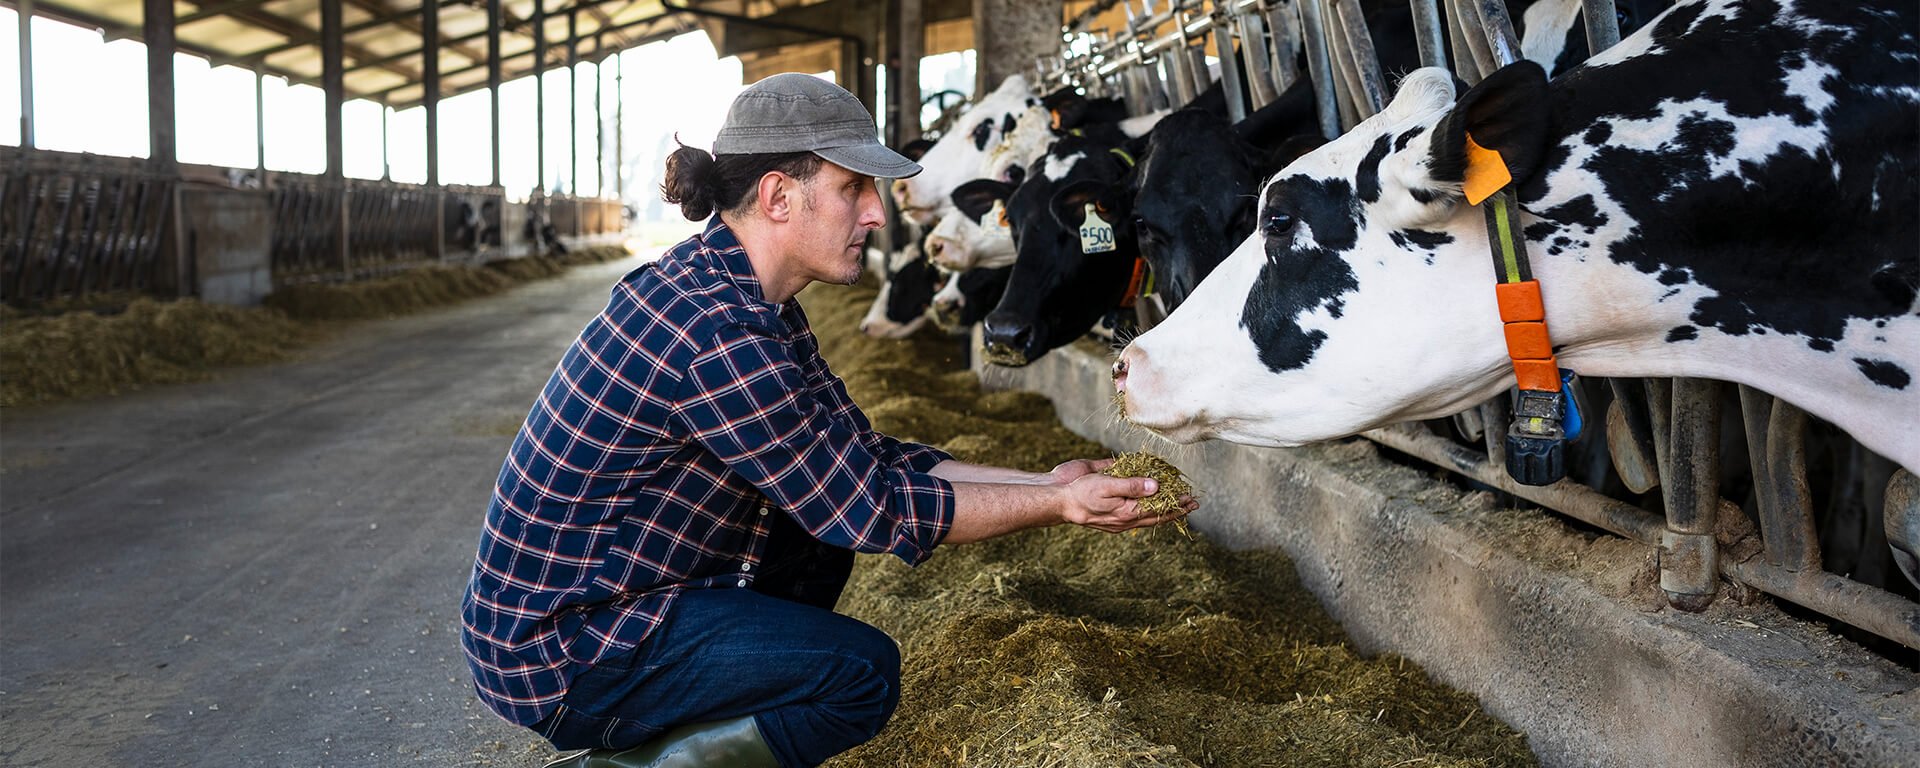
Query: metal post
{"points": [[386, 148], [1470, 59], [333, 82], [260, 122], [1603, 26], [157, 28], [1283, 21], [1427, 33], [1320, 68], [1501, 40], [1371, 95], [430, 87], [25, 18], [620, 127], [1229, 64], [1253, 45], [1686, 424], [493, 80], [573, 107], [1786, 508], [599, 120], [539, 102]]}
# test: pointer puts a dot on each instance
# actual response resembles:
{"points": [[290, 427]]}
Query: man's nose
{"points": [[873, 215]]}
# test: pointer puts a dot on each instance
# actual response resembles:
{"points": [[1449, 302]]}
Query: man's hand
{"points": [[1112, 504], [1074, 470]]}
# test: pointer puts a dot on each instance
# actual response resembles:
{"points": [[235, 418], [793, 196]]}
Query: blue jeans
{"points": [[816, 683]]}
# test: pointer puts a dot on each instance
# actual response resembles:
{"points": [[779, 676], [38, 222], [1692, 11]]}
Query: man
{"points": [[677, 517]]}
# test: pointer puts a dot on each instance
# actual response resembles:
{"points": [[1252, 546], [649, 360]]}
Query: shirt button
{"points": [[743, 582], [746, 566], [763, 511]]}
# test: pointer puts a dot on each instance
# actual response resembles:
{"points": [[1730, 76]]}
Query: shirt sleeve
{"points": [[746, 400]]}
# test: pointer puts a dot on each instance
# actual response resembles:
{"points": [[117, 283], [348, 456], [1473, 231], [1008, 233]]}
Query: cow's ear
{"points": [[976, 197], [1070, 203], [1290, 150], [1505, 113]]}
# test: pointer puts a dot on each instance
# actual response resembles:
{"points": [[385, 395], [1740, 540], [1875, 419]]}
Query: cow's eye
{"points": [[1277, 224]]}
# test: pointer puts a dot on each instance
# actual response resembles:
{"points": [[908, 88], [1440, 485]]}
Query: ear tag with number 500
{"points": [[1096, 235]]}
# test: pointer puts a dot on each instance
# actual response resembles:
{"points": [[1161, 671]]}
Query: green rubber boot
{"points": [[732, 743]]}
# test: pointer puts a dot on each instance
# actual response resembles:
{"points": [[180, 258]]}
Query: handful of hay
{"points": [[1164, 502]]}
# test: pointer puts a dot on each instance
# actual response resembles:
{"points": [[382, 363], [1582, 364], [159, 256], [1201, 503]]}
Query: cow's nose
{"points": [[935, 247], [1120, 371], [1004, 331]]}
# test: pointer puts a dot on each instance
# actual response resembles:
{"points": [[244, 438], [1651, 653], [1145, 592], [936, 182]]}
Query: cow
{"points": [[1728, 193], [900, 308], [968, 297], [956, 157], [1057, 290]]}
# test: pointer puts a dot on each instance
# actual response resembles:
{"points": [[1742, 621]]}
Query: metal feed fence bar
{"points": [[1659, 433]]}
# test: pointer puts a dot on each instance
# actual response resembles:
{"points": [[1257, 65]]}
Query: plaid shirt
{"points": [[687, 411]]}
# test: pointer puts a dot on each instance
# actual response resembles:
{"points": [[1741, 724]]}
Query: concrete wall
{"points": [[229, 240], [1561, 634]]}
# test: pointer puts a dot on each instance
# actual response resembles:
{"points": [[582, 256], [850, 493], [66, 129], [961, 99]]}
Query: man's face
{"points": [[838, 208]]}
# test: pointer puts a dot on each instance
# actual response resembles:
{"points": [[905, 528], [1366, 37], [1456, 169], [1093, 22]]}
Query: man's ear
{"points": [[777, 195], [976, 197], [1506, 113]]}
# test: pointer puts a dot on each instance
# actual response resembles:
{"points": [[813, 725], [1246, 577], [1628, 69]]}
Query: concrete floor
{"points": [[265, 569]]}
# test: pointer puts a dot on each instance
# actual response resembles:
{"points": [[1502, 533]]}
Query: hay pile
{"points": [[110, 343], [1073, 648]]}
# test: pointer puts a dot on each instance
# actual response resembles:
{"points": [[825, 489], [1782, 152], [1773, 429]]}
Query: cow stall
{"points": [[1731, 490]]}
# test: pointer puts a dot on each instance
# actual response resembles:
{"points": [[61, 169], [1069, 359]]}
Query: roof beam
{"points": [[411, 21], [255, 59], [598, 54], [291, 29], [118, 31]]}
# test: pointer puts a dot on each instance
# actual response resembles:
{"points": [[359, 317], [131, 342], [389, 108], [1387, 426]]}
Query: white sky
{"points": [[91, 96]]}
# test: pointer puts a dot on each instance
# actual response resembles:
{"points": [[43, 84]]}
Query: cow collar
{"points": [[1140, 284], [1545, 413]]}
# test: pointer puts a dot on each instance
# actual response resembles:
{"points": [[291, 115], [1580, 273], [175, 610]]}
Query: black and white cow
{"points": [[1729, 193], [968, 297], [1057, 290], [906, 293], [958, 155]]}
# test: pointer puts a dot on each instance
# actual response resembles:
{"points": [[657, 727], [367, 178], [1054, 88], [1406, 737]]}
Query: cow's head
{"points": [[1057, 290], [1198, 185], [975, 234], [958, 155], [968, 296], [1007, 161], [1364, 295], [901, 307]]}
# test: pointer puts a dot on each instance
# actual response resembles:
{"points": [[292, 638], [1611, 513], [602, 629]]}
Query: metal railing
{"points": [[1659, 433], [72, 225], [76, 224]]}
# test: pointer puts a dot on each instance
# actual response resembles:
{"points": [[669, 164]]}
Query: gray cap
{"points": [[793, 112]]}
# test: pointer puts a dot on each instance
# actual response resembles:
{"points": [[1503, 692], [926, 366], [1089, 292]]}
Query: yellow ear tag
{"points": [[1096, 235], [1486, 172]]}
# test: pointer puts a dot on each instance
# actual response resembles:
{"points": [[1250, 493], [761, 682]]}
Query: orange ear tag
{"points": [[1486, 172], [1056, 118]]}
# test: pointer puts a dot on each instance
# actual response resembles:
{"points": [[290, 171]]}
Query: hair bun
{"points": [[690, 182]]}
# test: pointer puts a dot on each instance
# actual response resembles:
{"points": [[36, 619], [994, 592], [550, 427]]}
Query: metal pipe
{"points": [[1350, 90], [333, 83], [539, 106], [1875, 610], [573, 104], [157, 28], [1787, 523], [1427, 33], [1366, 62], [1687, 548], [1502, 43], [1253, 47], [493, 83], [1472, 30], [260, 124], [25, 19], [1320, 68], [1283, 21], [430, 88], [1602, 24]]}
